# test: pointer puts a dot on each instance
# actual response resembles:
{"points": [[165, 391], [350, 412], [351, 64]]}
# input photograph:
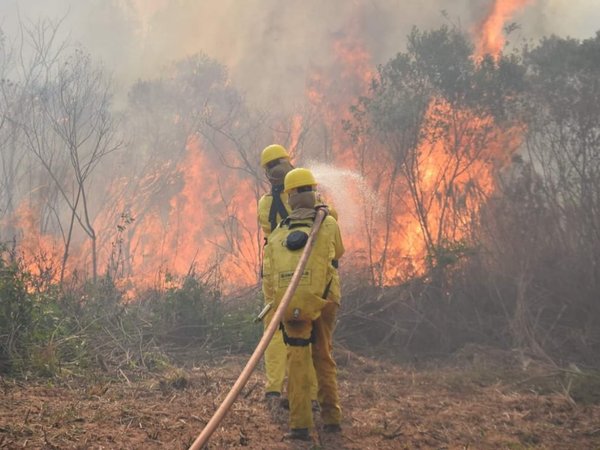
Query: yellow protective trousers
{"points": [[300, 361], [276, 363]]}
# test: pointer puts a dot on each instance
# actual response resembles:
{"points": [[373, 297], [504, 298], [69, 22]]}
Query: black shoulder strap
{"points": [[277, 207], [290, 225]]}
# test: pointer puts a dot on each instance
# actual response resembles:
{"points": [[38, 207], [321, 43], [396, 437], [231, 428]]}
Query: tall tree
{"points": [[435, 111], [70, 131]]}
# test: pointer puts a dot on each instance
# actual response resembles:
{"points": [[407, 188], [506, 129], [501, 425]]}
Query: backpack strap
{"points": [[287, 222], [277, 207]]}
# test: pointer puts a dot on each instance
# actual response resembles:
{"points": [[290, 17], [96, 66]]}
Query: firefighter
{"points": [[310, 317], [272, 209]]}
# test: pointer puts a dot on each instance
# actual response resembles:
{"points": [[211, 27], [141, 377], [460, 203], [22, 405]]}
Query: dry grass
{"points": [[466, 404]]}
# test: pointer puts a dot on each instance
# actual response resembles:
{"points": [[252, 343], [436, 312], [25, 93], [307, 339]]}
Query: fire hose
{"points": [[218, 416]]}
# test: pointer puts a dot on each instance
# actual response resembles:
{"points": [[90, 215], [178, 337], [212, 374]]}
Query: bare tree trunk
{"points": [[389, 218]]}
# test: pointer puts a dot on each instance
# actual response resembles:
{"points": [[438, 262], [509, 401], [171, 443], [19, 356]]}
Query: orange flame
{"points": [[204, 229], [41, 252], [399, 251], [491, 38], [205, 222]]}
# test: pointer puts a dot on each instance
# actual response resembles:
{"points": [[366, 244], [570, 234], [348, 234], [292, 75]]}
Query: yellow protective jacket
{"points": [[266, 212], [320, 281]]}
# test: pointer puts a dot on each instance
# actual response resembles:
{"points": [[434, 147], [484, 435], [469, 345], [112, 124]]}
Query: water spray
{"points": [[346, 188]]}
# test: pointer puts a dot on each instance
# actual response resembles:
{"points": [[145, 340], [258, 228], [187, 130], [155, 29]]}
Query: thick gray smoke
{"points": [[270, 46]]}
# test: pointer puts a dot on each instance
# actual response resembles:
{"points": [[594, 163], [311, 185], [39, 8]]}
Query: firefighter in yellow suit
{"points": [[272, 209], [310, 317]]}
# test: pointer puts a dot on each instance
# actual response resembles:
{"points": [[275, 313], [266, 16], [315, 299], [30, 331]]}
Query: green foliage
{"points": [[238, 332], [443, 57], [53, 332], [564, 82], [50, 337], [16, 309], [188, 312], [194, 312], [33, 323], [439, 65]]}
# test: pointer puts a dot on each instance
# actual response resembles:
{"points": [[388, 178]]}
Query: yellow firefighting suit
{"points": [[272, 209], [310, 317]]}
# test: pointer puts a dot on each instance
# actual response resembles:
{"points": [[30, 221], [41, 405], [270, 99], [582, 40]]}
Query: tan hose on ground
{"points": [[218, 416]]}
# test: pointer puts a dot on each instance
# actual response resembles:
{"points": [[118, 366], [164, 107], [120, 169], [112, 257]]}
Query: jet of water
{"points": [[348, 192]]}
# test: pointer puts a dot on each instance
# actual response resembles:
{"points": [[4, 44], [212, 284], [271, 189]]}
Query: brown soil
{"points": [[468, 404]]}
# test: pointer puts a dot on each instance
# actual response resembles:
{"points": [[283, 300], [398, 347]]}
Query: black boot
{"points": [[299, 434], [332, 428]]}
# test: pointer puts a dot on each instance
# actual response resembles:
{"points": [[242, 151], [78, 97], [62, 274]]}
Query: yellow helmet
{"points": [[273, 152], [299, 177]]}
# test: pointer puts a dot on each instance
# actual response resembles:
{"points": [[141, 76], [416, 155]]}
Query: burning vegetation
{"points": [[436, 142], [466, 176]]}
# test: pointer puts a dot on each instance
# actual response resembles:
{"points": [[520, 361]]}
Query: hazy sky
{"points": [[268, 48]]}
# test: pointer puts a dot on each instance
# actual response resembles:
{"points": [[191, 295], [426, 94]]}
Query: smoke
{"points": [[578, 19], [269, 46]]}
